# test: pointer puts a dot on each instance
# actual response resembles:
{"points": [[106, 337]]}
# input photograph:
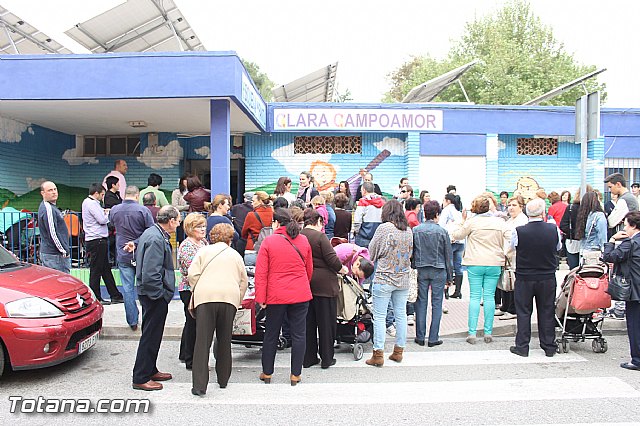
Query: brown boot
{"points": [[377, 359], [397, 354]]}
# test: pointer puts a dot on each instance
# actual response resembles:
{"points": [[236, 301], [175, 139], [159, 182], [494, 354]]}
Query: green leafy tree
{"points": [[520, 59], [261, 79]]}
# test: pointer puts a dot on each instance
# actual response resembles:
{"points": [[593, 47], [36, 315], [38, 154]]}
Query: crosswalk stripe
{"points": [[278, 393], [251, 358]]}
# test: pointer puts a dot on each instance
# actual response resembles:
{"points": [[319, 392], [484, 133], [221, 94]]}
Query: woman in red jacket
{"points": [[261, 216], [283, 272]]}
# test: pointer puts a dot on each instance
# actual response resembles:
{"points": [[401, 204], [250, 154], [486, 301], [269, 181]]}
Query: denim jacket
{"points": [[432, 247], [595, 232]]}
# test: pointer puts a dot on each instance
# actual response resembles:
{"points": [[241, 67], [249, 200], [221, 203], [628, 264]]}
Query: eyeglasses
{"points": [[403, 191], [202, 227]]}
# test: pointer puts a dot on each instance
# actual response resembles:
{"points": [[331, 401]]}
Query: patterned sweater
{"points": [[391, 250]]}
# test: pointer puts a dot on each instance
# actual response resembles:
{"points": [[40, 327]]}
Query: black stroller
{"points": [[355, 322], [579, 325]]}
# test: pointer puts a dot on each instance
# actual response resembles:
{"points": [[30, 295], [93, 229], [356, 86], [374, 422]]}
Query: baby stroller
{"points": [[249, 324], [577, 320], [355, 323]]}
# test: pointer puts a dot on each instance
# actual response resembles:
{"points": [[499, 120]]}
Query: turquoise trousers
{"points": [[482, 286]]}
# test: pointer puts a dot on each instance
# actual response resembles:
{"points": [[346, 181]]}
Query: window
{"points": [[327, 145], [100, 146], [537, 146]]}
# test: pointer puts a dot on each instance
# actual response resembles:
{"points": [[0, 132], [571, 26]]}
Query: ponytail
{"points": [[284, 219]]}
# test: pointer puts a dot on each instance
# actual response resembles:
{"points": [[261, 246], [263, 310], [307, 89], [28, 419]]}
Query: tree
{"points": [[343, 96], [520, 59], [261, 79]]}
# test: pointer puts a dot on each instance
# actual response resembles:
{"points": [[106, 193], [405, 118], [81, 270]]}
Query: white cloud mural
{"points": [[162, 156], [11, 130], [34, 183], [71, 157], [204, 151], [394, 145]]}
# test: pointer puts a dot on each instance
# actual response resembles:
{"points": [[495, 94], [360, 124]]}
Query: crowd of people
{"points": [[300, 243]]}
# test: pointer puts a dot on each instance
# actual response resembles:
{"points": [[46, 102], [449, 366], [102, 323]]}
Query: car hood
{"points": [[38, 281]]}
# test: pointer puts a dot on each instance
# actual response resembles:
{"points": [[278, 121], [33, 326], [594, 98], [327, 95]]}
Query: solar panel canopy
{"points": [[137, 26], [561, 89], [426, 92], [317, 86], [19, 37]]}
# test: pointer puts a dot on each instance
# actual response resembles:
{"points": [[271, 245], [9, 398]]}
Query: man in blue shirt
{"points": [[130, 220], [96, 236]]}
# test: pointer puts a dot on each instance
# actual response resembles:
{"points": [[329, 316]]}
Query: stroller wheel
{"points": [[599, 346], [282, 343], [565, 346], [358, 351]]}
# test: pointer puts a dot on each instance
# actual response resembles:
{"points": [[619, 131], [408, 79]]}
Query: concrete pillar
{"points": [[220, 147], [595, 164], [492, 163]]}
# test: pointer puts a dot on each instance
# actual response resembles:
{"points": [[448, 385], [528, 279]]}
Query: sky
{"points": [[370, 39]]}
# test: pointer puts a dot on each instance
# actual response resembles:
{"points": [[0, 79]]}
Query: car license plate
{"points": [[88, 342]]}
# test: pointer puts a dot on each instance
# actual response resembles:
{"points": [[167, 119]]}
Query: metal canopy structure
{"points": [[561, 89], [137, 26], [18, 37], [426, 92], [315, 87]]}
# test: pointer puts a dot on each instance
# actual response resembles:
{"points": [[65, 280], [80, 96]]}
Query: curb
{"points": [[174, 332]]}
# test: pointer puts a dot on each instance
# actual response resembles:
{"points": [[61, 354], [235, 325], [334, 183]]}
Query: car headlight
{"points": [[32, 307]]}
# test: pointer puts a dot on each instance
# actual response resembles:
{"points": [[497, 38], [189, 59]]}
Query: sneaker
{"points": [[507, 316], [445, 310], [391, 330], [614, 315], [498, 313], [411, 320]]}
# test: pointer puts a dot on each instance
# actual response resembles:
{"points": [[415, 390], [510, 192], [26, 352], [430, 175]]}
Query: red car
{"points": [[46, 317]]}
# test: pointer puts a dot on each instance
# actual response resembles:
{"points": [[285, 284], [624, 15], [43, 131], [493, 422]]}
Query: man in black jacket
{"points": [[156, 285], [536, 245], [239, 213]]}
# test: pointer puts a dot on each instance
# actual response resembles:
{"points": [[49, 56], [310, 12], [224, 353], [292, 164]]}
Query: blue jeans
{"points": [[57, 262], [128, 280], [457, 249], [434, 279], [382, 294], [482, 285]]}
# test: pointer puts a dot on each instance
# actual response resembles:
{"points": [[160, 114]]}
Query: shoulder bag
{"points": [[619, 286], [191, 308], [507, 281]]}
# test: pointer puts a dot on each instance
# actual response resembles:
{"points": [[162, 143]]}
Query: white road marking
{"points": [[279, 393], [251, 358]]}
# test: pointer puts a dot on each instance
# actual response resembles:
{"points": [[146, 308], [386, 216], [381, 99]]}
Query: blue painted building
{"points": [[66, 118]]}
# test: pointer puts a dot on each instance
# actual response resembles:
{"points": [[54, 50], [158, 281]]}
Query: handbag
{"points": [[590, 293], [507, 281], [619, 288], [413, 285], [191, 307]]}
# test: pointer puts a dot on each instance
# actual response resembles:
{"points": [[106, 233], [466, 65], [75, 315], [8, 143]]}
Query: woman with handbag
{"points": [[515, 205], [321, 316], [433, 258], [591, 228], [484, 257], [195, 226], [626, 259], [283, 272], [390, 249], [219, 281]]}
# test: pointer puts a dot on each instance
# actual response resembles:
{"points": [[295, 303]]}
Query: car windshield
{"points": [[7, 259]]}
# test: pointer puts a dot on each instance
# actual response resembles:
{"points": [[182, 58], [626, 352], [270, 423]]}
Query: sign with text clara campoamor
{"points": [[398, 120]]}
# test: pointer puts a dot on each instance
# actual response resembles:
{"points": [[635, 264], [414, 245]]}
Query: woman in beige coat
{"points": [[484, 257], [218, 282]]}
